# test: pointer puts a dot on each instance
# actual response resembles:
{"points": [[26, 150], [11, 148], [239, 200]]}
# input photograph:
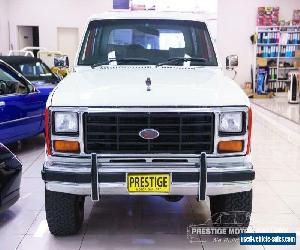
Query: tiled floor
{"points": [[279, 105], [151, 222]]}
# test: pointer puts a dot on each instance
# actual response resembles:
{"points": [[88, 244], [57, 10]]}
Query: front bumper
{"points": [[200, 179], [183, 188]]}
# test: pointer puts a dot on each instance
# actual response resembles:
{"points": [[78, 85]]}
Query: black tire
{"points": [[231, 210], [64, 212]]}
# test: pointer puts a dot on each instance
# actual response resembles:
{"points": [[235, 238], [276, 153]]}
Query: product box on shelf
{"points": [[268, 16], [297, 64], [296, 17], [262, 62]]}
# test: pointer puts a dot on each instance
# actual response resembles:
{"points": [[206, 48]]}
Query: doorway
{"points": [[28, 36]]}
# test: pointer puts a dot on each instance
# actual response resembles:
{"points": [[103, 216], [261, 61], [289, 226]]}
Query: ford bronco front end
{"points": [[147, 112]]}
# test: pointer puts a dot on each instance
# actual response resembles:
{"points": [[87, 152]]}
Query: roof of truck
{"points": [[168, 15]]}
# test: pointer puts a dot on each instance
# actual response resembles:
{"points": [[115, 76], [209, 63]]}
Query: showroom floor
{"points": [[153, 223], [279, 105]]}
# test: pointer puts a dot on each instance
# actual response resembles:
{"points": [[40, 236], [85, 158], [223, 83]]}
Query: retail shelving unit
{"points": [[278, 45]]}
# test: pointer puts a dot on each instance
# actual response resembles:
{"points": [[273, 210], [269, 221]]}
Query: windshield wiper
{"points": [[120, 60], [176, 60]]}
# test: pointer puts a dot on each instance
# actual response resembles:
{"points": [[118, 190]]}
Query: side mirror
{"points": [[232, 61]]}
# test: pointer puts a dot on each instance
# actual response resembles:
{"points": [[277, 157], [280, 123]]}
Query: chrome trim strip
{"points": [[190, 158], [23, 94], [22, 119], [216, 188], [149, 109], [73, 164], [217, 161], [63, 158], [86, 168], [216, 132]]}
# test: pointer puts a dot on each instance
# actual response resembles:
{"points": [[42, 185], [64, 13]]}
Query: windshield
{"points": [[35, 71], [151, 41]]}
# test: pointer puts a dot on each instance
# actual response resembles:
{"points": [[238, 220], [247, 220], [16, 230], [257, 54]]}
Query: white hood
{"points": [[170, 86]]}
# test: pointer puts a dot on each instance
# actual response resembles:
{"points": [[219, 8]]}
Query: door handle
{"points": [[2, 104]]}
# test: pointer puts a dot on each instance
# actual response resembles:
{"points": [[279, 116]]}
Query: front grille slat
{"points": [[180, 133]]}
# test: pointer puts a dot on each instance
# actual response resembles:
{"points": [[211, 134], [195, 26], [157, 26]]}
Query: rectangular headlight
{"points": [[231, 122], [65, 122]]}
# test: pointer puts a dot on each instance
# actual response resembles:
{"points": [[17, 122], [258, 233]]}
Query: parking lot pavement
{"points": [[151, 222]]}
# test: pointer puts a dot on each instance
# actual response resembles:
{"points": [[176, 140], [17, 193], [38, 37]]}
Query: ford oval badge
{"points": [[149, 134]]}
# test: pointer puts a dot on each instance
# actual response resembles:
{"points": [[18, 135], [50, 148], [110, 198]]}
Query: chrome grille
{"points": [[180, 133]]}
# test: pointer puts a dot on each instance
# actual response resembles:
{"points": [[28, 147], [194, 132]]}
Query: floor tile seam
{"points": [[27, 231], [30, 165]]}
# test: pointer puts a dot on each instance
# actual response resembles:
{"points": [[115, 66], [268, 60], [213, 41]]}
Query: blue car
{"points": [[22, 105], [34, 69]]}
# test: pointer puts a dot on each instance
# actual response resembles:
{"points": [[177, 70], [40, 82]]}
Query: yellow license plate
{"points": [[148, 183]]}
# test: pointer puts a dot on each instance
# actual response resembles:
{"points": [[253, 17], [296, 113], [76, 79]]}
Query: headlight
{"points": [[231, 122], [66, 122]]}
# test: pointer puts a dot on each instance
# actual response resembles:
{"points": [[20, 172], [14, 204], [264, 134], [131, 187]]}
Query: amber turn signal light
{"points": [[230, 146], [66, 146]]}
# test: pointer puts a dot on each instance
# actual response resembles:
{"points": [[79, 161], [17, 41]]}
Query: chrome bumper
{"points": [[214, 188], [96, 178]]}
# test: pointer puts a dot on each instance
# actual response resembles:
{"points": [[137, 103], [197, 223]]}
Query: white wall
{"points": [[4, 26], [67, 41], [208, 6], [237, 22], [49, 15]]}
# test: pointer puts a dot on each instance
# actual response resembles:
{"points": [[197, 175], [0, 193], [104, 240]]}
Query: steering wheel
{"points": [[11, 87]]}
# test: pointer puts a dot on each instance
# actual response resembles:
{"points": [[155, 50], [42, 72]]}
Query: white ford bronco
{"points": [[148, 111]]}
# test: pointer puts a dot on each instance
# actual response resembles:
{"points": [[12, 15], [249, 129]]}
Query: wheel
{"points": [[231, 210], [64, 212]]}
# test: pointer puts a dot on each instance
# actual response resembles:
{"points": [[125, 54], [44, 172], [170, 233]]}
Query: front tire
{"points": [[64, 212], [231, 210]]}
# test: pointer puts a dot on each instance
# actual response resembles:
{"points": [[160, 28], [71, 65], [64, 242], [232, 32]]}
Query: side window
{"points": [[9, 84]]}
